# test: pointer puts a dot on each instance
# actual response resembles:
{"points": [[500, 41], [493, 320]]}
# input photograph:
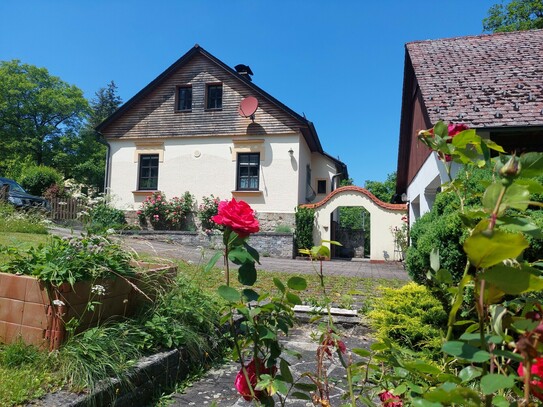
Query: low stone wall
{"points": [[268, 244]]}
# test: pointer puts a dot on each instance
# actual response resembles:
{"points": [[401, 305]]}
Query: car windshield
{"points": [[13, 186]]}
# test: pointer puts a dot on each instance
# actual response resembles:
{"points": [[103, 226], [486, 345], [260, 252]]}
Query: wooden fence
{"points": [[66, 208]]}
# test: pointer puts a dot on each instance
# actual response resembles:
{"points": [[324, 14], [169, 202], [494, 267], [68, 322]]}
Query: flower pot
{"points": [[37, 313]]}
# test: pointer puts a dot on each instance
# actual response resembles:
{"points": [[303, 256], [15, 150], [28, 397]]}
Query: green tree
{"points": [[517, 15], [36, 111], [383, 190], [89, 154]]}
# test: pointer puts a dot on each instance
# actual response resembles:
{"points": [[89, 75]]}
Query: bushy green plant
{"points": [[164, 214], [283, 229], [303, 236], [36, 179], [206, 210], [102, 217], [411, 317], [70, 260]]}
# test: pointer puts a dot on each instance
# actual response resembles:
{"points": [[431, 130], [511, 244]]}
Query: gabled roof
{"points": [[306, 127], [491, 80]]}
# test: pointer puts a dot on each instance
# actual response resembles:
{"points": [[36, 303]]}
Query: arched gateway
{"points": [[385, 217]]}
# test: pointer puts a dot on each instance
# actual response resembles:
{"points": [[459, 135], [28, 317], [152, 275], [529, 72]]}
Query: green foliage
{"points": [[517, 15], [36, 111], [410, 317], [36, 179], [102, 217], [12, 221], [206, 210], [305, 218], [383, 190], [70, 260], [164, 214], [283, 229]]}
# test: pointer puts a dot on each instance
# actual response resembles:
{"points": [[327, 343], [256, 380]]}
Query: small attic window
{"points": [[183, 98], [214, 96]]}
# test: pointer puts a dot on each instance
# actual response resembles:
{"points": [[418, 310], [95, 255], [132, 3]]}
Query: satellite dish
{"points": [[247, 107]]}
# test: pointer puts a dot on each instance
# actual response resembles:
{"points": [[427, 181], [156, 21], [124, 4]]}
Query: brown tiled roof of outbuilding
{"points": [[491, 80]]}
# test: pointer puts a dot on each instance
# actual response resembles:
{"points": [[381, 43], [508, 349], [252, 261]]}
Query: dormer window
{"points": [[214, 96], [184, 98]]}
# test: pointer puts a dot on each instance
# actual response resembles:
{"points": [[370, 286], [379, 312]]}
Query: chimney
{"points": [[244, 70]]}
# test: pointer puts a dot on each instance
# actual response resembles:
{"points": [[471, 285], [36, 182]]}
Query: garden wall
{"points": [[268, 244]]}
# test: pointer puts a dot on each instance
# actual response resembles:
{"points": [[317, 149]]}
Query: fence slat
{"points": [[66, 208]]}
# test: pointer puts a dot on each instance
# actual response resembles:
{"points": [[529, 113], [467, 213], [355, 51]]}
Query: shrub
{"points": [[283, 229], [207, 209], [303, 236], [410, 317], [164, 215], [103, 217], [36, 179]]}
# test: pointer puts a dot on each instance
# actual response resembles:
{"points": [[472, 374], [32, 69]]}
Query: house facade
{"points": [[186, 131], [493, 83]]}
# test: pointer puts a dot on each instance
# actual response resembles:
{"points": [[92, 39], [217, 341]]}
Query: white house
{"points": [[193, 129], [493, 83]]}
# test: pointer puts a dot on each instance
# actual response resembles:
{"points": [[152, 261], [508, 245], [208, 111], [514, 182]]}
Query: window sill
{"points": [[183, 111], [247, 192], [144, 191], [216, 109]]}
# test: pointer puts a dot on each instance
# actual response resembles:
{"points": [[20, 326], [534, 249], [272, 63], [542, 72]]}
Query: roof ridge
{"points": [[483, 35]]}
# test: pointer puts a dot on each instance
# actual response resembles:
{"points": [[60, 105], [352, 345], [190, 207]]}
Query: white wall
{"points": [[204, 166]]}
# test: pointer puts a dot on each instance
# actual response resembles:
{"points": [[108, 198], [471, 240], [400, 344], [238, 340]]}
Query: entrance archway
{"points": [[385, 217]]}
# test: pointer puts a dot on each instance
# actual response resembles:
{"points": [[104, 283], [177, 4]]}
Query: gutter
{"points": [[101, 139]]}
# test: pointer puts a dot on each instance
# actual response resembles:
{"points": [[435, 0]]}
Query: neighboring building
{"points": [[184, 132], [493, 83]]}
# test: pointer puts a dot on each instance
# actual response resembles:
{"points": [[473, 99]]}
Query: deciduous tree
{"points": [[517, 15]]}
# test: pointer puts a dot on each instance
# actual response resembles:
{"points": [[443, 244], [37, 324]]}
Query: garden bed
{"points": [[37, 313]]}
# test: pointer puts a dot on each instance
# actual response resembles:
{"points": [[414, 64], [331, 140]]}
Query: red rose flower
{"points": [[536, 385], [330, 341], [238, 216], [390, 400], [454, 129], [241, 383]]}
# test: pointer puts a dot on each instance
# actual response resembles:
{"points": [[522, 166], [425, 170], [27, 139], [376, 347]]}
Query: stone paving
{"points": [[217, 386]]}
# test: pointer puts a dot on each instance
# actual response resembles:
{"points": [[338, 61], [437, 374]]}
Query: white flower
{"points": [[110, 231], [98, 289], [58, 303]]}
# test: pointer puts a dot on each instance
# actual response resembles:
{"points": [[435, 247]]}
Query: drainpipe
{"points": [[100, 138], [333, 186]]}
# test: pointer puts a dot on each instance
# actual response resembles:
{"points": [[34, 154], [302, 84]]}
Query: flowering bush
{"points": [[207, 209], [254, 369], [164, 214]]}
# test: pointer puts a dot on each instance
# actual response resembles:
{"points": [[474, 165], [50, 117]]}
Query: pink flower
{"points": [[390, 400], [454, 129], [536, 385], [238, 216], [241, 383]]}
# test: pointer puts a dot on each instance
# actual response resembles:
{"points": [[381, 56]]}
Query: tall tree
{"points": [[383, 190], [517, 15], [90, 153], [36, 110]]}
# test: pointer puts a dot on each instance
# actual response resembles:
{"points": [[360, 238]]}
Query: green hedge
{"points": [[303, 237]]}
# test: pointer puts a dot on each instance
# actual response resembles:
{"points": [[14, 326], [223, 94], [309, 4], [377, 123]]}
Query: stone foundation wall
{"points": [[268, 244]]}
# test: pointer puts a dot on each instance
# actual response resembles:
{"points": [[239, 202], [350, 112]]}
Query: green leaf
{"points": [[247, 273], [285, 371], [519, 224], [265, 333], [280, 386], [465, 351], [444, 277], [469, 373], [306, 386], [211, 263], [293, 299], [250, 294], [253, 252], [361, 352], [300, 396], [425, 403], [228, 293], [297, 283], [434, 259], [512, 280], [279, 284], [420, 366], [485, 249], [531, 165], [533, 185], [238, 255], [497, 313], [493, 382], [500, 401], [441, 129]]}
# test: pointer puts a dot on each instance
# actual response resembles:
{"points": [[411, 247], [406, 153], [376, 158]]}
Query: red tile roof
{"points": [[485, 81], [363, 191]]}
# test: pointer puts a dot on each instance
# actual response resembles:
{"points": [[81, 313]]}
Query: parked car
{"points": [[17, 196]]}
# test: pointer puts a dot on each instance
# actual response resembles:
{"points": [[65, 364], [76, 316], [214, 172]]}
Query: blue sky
{"points": [[338, 62]]}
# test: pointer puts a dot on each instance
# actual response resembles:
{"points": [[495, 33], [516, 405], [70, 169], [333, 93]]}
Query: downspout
{"points": [[101, 139], [333, 186]]}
